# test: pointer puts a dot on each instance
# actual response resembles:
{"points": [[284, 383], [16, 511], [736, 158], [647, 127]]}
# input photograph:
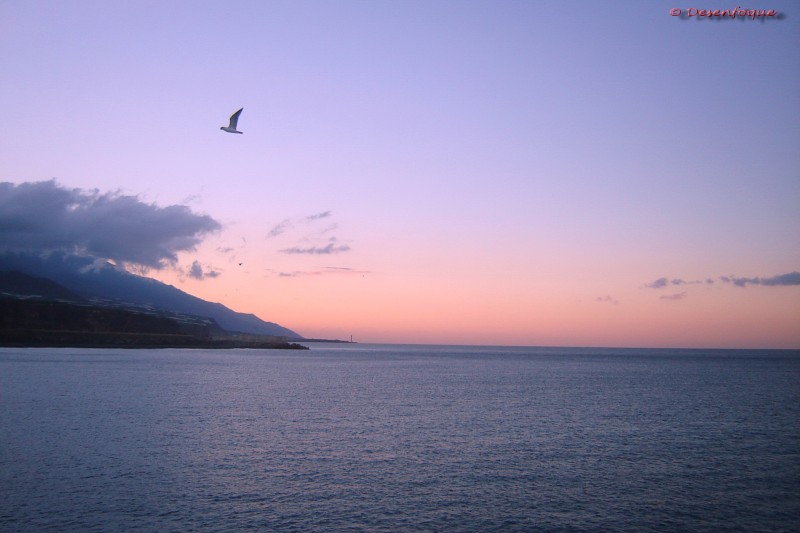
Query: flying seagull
{"points": [[232, 126]]}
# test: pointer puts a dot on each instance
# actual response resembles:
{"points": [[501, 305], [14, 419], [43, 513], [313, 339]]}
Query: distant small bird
{"points": [[232, 126]]}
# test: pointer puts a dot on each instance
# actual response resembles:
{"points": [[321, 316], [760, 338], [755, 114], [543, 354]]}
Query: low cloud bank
{"points": [[781, 280]]}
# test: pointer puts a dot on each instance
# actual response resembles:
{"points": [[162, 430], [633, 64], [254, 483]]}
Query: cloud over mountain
{"points": [[47, 217]]}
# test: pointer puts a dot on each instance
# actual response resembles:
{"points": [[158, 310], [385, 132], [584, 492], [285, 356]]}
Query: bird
{"points": [[231, 128]]}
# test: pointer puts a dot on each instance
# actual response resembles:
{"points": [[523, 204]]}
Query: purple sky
{"points": [[502, 172]]}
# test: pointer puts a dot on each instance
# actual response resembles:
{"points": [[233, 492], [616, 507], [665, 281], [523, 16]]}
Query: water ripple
{"points": [[399, 439]]}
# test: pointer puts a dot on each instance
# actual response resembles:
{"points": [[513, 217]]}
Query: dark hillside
{"points": [[83, 277], [16, 283]]}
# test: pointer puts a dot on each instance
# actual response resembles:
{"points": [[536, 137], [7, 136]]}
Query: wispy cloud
{"points": [[196, 271], [293, 274], [326, 229], [324, 214], [660, 283], [308, 244], [280, 228], [781, 280], [676, 296], [292, 222], [330, 248], [607, 300], [343, 269], [336, 271], [47, 217], [233, 254]]}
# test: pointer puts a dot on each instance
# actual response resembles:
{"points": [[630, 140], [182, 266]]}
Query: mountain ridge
{"points": [[89, 279]]}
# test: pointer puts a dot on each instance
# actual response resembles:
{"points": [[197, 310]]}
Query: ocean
{"points": [[358, 437]]}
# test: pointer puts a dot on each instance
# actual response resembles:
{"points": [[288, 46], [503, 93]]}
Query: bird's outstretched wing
{"points": [[235, 119]]}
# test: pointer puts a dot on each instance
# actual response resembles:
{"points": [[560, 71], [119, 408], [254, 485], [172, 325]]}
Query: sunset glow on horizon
{"points": [[499, 173]]}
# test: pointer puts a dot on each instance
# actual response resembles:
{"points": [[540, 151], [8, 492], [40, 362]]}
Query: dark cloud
{"points": [[196, 271], [45, 217], [677, 296], [781, 280], [330, 248]]}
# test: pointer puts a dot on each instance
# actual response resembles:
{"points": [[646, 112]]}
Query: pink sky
{"points": [[466, 172]]}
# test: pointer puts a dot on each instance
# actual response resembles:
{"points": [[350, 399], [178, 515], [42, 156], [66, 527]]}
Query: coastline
{"points": [[91, 339]]}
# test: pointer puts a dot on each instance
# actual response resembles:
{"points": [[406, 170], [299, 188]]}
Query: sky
{"points": [[565, 173]]}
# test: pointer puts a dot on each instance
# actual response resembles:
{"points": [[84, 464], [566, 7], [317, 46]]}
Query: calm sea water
{"points": [[399, 438]]}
